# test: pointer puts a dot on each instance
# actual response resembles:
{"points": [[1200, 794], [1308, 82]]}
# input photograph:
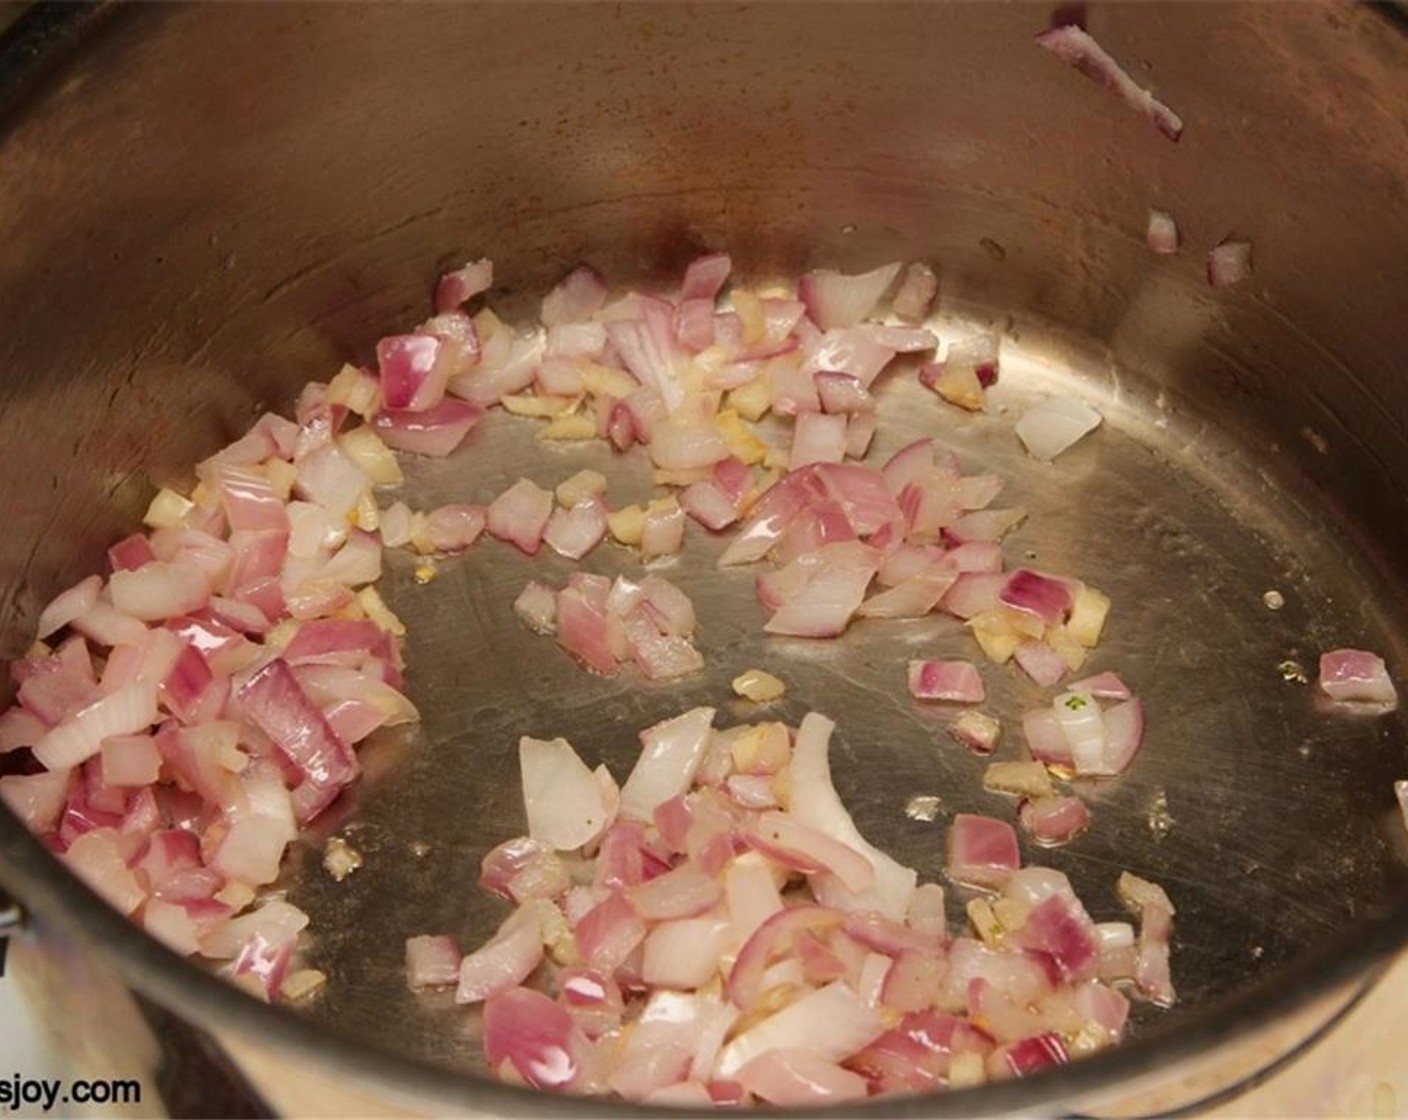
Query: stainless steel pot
{"points": [[203, 207]]}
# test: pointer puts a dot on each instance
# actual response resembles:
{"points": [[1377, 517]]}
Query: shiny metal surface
{"points": [[204, 207]]}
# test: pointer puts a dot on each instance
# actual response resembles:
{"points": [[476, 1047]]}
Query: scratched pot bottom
{"points": [[1270, 821]]}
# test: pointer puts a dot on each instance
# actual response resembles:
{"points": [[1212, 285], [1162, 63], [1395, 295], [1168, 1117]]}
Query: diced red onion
{"points": [[435, 431], [504, 962], [1356, 676], [981, 851], [1229, 263], [670, 754], [1073, 45], [1052, 821], [578, 296], [815, 802], [1103, 686], [824, 606], [831, 1023], [792, 844], [1162, 234], [817, 438], [840, 392], [520, 514], [432, 962], [575, 532], [917, 292], [536, 1037], [708, 504], [458, 287], [1041, 663], [68, 605], [799, 1077], [684, 953], [127, 711], [705, 277], [834, 300], [957, 681]]}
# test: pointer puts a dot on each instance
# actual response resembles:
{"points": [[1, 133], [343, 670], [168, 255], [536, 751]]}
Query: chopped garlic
{"points": [[569, 427], [1025, 779], [580, 487], [340, 859], [758, 686], [168, 510], [302, 983]]}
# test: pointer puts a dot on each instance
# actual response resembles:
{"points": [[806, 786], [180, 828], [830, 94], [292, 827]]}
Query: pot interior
{"points": [[204, 208]]}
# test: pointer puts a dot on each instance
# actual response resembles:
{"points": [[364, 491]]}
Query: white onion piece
{"points": [[1400, 791], [834, 300], [537, 606], [684, 892], [1229, 263], [1041, 663], [1074, 46], [684, 953], [913, 597], [788, 842], [125, 712], [706, 502], [68, 605], [831, 1023], [97, 858], [670, 754], [575, 532], [840, 392], [432, 962], [831, 595], [505, 961], [678, 445], [817, 438], [799, 1077], [561, 796], [37, 799], [815, 802], [751, 894], [1050, 428], [1162, 234], [157, 590], [576, 298]]}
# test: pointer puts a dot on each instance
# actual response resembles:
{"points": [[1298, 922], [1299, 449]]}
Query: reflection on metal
{"points": [[206, 206]]}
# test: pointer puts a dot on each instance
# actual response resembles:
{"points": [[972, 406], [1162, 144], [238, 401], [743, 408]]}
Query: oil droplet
{"points": [[420, 849], [1257, 952], [1159, 818], [425, 573], [1292, 672], [925, 807], [848, 228], [1274, 600]]}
